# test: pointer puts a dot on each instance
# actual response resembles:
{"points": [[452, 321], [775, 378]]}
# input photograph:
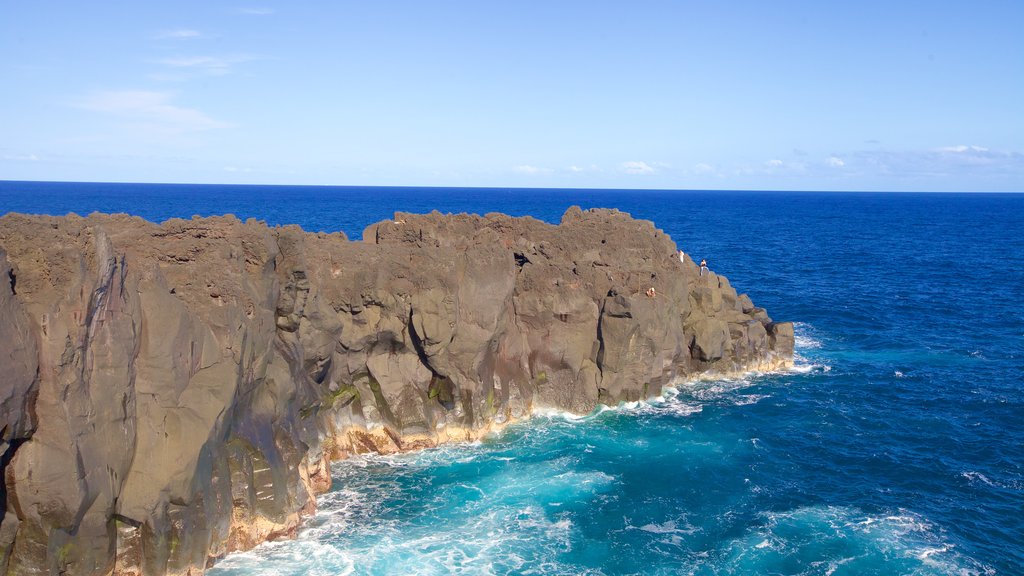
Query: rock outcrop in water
{"points": [[170, 393]]}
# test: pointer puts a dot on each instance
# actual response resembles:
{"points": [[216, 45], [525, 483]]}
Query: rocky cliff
{"points": [[170, 393]]}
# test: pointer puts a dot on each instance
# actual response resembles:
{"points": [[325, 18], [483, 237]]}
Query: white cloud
{"points": [[256, 11], [946, 162], [180, 34], [637, 167], [152, 109], [961, 149], [575, 168], [211, 65], [774, 163], [703, 168], [527, 169], [21, 157], [835, 162]]}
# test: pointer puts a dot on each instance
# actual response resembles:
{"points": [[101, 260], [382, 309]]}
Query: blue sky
{"points": [[686, 95]]}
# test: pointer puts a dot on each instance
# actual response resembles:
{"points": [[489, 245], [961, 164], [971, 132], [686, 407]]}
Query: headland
{"points": [[170, 393]]}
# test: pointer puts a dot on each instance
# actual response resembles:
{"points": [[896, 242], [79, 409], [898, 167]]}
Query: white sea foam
{"points": [[926, 553], [676, 527], [668, 527], [556, 414], [806, 340], [799, 533], [490, 542], [668, 402], [832, 565], [304, 557], [802, 365], [977, 477], [748, 399], [805, 336]]}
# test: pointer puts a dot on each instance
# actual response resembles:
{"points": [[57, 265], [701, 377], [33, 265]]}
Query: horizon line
{"points": [[554, 188]]}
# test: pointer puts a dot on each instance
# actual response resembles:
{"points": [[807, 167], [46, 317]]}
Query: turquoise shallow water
{"points": [[896, 447]]}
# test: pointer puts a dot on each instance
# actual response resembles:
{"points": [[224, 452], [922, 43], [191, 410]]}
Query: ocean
{"points": [[895, 446]]}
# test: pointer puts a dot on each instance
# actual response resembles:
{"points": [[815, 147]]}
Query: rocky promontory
{"points": [[173, 392]]}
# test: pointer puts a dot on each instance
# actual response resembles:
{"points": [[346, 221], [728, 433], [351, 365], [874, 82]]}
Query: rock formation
{"points": [[171, 393]]}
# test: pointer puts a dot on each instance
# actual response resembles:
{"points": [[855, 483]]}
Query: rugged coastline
{"points": [[170, 393]]}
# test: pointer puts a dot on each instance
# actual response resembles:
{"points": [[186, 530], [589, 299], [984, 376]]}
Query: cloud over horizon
{"points": [[532, 170], [637, 167]]}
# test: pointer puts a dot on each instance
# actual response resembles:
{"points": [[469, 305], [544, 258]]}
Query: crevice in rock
{"points": [[8, 455], [14, 280], [126, 520], [417, 344], [441, 387]]}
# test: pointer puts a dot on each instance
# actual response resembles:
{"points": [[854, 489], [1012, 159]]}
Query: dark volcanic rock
{"points": [[170, 393]]}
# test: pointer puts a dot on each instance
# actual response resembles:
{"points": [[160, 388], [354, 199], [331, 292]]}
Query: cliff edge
{"points": [[173, 392]]}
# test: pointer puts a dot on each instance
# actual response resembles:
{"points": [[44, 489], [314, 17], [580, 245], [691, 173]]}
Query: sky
{"points": [[889, 96]]}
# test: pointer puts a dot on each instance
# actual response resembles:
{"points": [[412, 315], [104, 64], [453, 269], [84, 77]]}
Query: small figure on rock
{"points": [[651, 293], [703, 266], [682, 257]]}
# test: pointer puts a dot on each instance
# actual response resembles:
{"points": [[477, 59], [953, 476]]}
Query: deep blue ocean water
{"points": [[895, 447]]}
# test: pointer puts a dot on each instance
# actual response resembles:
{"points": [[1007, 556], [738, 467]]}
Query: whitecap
{"points": [[802, 365], [978, 476], [748, 399]]}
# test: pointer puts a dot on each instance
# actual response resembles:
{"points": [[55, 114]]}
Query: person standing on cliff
{"points": [[703, 266]]}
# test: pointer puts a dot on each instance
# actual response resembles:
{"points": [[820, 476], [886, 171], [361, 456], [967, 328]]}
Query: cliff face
{"points": [[170, 393]]}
